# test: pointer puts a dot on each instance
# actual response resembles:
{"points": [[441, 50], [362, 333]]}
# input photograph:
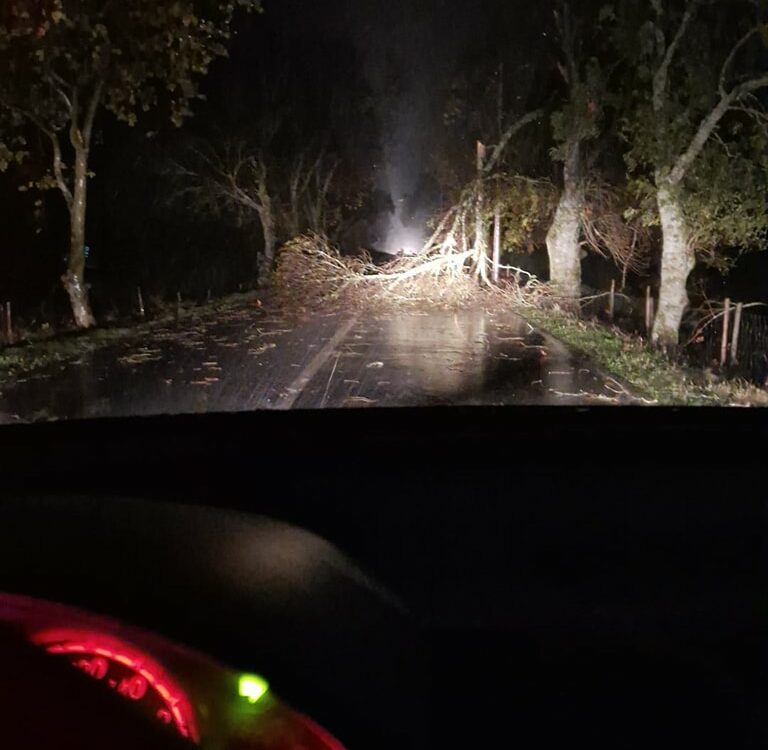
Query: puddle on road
{"points": [[466, 358]]}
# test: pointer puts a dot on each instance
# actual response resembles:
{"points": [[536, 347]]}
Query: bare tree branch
{"points": [[510, 132], [564, 23], [67, 101], [699, 140], [710, 122], [729, 100], [749, 87], [93, 107], [731, 57], [661, 79], [758, 114], [75, 135], [58, 161], [58, 170]]}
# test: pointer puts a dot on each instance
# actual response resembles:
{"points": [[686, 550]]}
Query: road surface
{"points": [[248, 359]]}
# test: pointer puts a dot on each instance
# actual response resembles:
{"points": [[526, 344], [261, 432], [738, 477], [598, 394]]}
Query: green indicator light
{"points": [[252, 687]]}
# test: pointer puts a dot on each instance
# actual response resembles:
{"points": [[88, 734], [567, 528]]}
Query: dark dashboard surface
{"points": [[595, 575]]}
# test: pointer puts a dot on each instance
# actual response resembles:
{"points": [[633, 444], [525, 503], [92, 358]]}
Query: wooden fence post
{"points": [[648, 310], [140, 299], [8, 323], [612, 301], [724, 341], [736, 334], [496, 244]]}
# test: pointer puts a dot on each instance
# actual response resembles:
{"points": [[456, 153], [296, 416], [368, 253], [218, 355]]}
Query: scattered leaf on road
{"points": [[261, 349]]}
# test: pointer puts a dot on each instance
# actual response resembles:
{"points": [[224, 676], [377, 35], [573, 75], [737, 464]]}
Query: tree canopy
{"points": [[65, 60]]}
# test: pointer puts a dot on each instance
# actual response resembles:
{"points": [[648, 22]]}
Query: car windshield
{"points": [[244, 205]]}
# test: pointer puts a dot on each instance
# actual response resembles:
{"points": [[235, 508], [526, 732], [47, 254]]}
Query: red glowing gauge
{"points": [[126, 670], [325, 740]]}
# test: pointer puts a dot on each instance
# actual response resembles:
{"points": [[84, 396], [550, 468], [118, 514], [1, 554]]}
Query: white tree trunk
{"points": [[481, 232], [269, 231], [677, 261], [74, 278], [564, 236], [267, 258]]}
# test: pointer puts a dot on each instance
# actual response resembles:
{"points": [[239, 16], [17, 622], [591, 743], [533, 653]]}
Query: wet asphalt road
{"points": [[248, 359]]}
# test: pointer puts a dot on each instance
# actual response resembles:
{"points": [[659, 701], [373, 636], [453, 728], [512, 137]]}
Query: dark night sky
{"points": [[407, 51]]}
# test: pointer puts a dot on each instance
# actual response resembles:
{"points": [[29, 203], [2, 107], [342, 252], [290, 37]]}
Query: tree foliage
{"points": [[579, 116], [63, 59], [720, 181], [527, 206]]}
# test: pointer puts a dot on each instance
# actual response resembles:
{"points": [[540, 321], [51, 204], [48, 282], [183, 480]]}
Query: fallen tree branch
{"points": [[435, 265]]}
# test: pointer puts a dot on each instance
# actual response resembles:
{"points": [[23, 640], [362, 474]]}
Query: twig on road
{"points": [[330, 379]]}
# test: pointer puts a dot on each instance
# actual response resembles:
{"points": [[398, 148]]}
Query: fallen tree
{"points": [[311, 274]]}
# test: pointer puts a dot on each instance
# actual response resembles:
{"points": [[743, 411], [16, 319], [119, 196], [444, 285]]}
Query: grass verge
{"points": [[34, 354], [649, 373]]}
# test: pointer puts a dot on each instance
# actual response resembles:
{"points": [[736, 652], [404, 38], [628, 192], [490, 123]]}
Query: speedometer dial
{"points": [[204, 702], [121, 667]]}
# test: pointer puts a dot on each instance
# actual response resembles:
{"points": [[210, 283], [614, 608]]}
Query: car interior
{"points": [[387, 579]]}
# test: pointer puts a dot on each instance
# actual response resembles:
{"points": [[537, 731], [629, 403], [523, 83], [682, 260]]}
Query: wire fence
{"points": [[740, 351], [750, 358]]}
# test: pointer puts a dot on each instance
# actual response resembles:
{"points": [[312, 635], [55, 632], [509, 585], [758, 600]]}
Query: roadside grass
{"points": [[649, 373], [29, 356], [47, 348]]}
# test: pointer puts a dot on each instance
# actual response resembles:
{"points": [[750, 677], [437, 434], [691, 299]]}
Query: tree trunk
{"points": [[496, 244], [295, 221], [74, 278], [269, 230], [563, 238], [677, 262], [314, 212], [267, 258], [481, 234]]}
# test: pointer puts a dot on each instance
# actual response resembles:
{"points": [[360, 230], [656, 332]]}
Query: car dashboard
{"points": [[414, 578]]}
